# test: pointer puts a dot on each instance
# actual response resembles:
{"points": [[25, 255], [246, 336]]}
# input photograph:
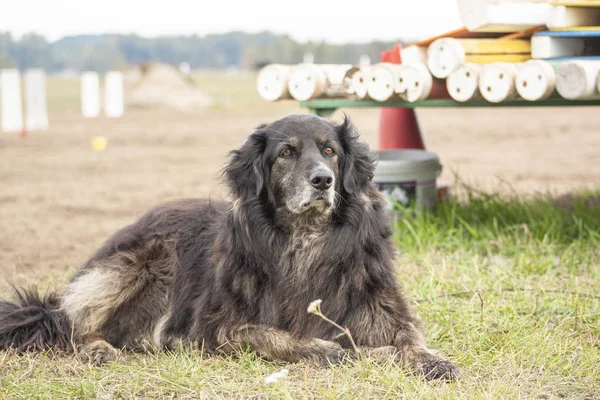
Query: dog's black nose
{"points": [[321, 180]]}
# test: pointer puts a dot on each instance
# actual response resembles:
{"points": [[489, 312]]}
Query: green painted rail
{"points": [[326, 107]]}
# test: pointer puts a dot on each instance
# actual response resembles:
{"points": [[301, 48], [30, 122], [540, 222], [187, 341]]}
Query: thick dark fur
{"points": [[226, 276], [34, 322]]}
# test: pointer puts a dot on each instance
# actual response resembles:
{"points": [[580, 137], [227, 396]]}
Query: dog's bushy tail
{"points": [[34, 322]]}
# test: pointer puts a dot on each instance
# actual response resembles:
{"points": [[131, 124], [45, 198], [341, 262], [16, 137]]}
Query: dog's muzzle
{"points": [[321, 179], [322, 193]]}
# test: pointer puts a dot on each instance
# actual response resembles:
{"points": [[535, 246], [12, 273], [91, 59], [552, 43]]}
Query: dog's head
{"points": [[302, 163]]}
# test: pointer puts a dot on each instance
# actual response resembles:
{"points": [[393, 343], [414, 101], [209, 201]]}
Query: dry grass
{"points": [[60, 199]]}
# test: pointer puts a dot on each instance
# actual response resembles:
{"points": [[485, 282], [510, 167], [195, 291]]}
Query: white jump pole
{"points": [[359, 83], [381, 81], [312, 81], [11, 115], [536, 80], [577, 79], [90, 94], [444, 56], [416, 82], [497, 82], [114, 101], [307, 81], [272, 82], [36, 109], [463, 83]]}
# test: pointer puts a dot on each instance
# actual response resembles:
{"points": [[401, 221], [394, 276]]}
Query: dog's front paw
{"points": [[142, 346], [384, 353], [433, 367], [98, 352], [328, 353]]}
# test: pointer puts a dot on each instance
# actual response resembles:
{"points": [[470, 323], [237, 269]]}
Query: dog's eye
{"points": [[286, 153], [329, 151]]}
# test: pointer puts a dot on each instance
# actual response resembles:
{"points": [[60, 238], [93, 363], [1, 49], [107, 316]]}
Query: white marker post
{"points": [[36, 109], [308, 58], [11, 115], [364, 61], [90, 94], [114, 103]]}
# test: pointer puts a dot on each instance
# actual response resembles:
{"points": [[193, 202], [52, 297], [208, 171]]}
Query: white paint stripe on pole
{"points": [[11, 115], [114, 102], [36, 109], [90, 94]]}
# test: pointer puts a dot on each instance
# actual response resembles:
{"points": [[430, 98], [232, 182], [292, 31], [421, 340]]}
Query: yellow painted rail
{"points": [[492, 58], [495, 46], [576, 3]]}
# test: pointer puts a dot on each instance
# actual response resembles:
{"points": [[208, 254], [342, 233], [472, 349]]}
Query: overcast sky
{"points": [[332, 20]]}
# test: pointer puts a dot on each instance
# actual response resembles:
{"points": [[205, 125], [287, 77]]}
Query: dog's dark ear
{"points": [[245, 173], [358, 162]]}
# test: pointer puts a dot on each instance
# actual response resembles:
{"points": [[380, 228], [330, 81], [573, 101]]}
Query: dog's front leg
{"points": [[276, 344], [413, 352]]}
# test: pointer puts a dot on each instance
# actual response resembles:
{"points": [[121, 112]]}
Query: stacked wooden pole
{"points": [[508, 50]]}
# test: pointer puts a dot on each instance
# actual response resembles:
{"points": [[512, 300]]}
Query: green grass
{"points": [[506, 287]]}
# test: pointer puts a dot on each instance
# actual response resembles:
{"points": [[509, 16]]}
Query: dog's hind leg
{"points": [[278, 345], [116, 301]]}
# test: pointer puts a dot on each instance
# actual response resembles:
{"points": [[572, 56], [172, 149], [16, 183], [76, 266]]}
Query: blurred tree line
{"points": [[234, 49]]}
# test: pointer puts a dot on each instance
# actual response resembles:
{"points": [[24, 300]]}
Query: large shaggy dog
{"points": [[305, 223]]}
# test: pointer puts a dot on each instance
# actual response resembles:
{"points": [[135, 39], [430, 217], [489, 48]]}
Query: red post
{"points": [[398, 127]]}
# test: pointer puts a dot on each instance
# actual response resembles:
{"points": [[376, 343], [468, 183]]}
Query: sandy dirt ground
{"points": [[60, 199]]}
